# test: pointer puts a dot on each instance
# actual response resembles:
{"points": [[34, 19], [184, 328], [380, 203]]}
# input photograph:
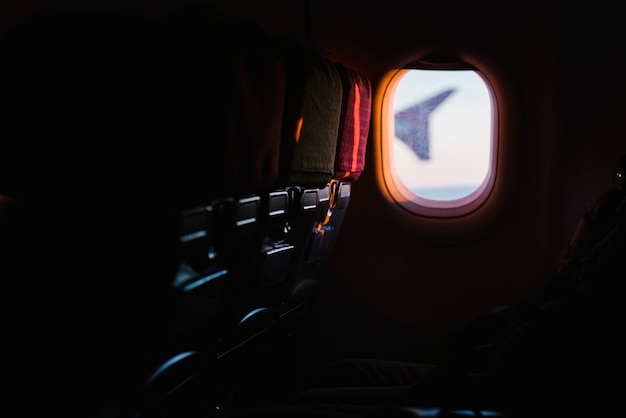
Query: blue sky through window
{"points": [[457, 126]]}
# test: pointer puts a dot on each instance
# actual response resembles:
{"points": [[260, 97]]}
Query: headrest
{"points": [[311, 120], [354, 123]]}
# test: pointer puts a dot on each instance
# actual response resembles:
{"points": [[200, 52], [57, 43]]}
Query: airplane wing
{"points": [[411, 125]]}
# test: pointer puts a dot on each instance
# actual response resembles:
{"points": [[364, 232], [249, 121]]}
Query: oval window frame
{"points": [[395, 187]]}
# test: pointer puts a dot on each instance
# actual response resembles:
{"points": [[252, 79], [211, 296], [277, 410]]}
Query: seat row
{"points": [[183, 177]]}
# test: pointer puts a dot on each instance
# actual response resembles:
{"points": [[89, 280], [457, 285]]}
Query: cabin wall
{"points": [[391, 292]]}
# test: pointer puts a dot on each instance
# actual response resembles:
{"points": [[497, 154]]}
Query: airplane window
{"points": [[442, 152]]}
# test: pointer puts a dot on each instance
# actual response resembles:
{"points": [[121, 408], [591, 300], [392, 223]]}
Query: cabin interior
{"points": [[152, 209]]}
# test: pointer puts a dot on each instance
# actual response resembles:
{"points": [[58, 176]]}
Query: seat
{"points": [[301, 194], [349, 162], [148, 144], [210, 92], [218, 113]]}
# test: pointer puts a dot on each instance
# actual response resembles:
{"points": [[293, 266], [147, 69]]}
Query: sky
{"points": [[460, 130]]}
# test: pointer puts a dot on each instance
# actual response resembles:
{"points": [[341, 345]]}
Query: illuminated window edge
{"points": [[394, 187]]}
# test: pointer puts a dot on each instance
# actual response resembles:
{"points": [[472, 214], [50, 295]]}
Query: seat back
{"points": [[349, 164], [352, 134], [300, 196], [148, 145], [211, 92]]}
